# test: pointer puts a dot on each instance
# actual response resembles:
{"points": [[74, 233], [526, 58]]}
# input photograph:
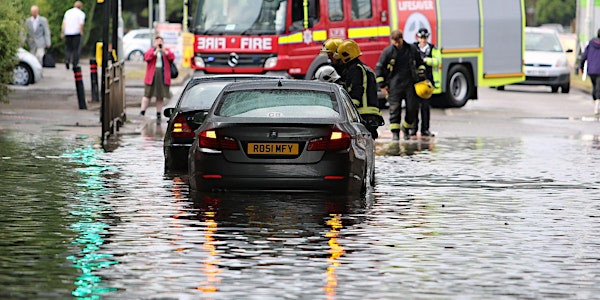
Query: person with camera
{"points": [[158, 76]]}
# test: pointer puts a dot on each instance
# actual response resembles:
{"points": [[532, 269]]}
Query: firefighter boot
{"points": [[405, 133], [395, 135]]}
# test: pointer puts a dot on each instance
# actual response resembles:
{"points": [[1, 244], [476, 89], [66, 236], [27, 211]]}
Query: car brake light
{"points": [[181, 129], [337, 140], [210, 139]]}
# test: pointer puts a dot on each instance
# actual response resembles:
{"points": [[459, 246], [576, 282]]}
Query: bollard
{"points": [[94, 80], [79, 86]]}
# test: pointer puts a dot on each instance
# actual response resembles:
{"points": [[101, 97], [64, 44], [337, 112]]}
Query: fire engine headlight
{"points": [[271, 62], [198, 61]]}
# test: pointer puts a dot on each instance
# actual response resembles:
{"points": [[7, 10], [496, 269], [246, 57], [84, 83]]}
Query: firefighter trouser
{"points": [[406, 91]]}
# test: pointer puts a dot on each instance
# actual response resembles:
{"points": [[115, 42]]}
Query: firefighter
{"points": [[397, 72], [425, 48], [329, 48], [359, 82]]}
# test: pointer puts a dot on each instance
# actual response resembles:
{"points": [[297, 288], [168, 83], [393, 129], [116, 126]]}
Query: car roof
{"points": [[295, 84], [233, 77]]}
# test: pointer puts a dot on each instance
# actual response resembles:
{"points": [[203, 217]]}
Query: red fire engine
{"points": [[479, 42]]}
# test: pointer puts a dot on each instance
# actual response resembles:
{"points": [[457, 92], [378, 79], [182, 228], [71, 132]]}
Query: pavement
{"points": [[51, 104]]}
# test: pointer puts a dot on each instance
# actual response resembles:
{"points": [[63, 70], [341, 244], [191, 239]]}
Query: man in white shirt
{"points": [[72, 31], [38, 33]]}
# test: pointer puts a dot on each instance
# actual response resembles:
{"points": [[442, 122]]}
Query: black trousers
{"points": [[425, 115], [595, 86], [72, 49]]}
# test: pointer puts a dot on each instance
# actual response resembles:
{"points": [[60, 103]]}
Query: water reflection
{"points": [[506, 217], [405, 148], [89, 211]]}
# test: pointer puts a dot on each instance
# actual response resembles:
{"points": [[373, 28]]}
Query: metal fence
{"points": [[113, 100]]}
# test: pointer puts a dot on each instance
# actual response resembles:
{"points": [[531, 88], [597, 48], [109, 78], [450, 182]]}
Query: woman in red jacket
{"points": [[158, 75]]}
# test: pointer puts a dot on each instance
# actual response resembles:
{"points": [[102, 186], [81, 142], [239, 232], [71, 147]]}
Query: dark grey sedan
{"points": [[198, 95], [285, 135]]}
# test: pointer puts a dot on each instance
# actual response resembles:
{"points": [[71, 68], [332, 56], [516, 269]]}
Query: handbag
{"points": [[48, 61], [174, 71]]}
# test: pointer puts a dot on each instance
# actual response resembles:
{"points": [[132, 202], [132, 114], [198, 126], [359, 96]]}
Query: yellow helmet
{"points": [[347, 51], [331, 45], [424, 89]]}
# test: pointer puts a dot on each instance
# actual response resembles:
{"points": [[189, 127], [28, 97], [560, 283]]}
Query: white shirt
{"points": [[73, 18], [36, 22]]}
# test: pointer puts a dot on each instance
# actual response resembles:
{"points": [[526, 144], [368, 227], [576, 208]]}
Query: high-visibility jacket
{"points": [[359, 82]]}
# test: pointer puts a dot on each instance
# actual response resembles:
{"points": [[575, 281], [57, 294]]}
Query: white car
{"points": [[546, 61], [136, 42], [29, 69]]}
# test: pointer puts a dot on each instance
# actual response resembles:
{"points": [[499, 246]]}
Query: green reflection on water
{"points": [[89, 211]]}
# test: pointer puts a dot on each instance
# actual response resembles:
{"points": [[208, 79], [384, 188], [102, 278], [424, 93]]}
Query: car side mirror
{"points": [[200, 117], [168, 112]]}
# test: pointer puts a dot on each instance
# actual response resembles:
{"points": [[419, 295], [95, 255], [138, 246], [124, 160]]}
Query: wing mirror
{"points": [[168, 112], [200, 117]]}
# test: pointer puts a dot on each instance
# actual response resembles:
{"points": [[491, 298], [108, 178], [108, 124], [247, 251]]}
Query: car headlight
{"points": [[271, 62], [199, 62], [562, 62]]}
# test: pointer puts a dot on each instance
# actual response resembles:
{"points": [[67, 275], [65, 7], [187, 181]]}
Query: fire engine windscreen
{"points": [[250, 17]]}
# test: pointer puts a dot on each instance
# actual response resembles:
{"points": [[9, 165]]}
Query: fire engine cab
{"points": [[478, 42]]}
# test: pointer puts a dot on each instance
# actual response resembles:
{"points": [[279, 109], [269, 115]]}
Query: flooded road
{"points": [[489, 216]]}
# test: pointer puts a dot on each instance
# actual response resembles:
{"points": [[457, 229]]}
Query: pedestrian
{"points": [[38, 33], [425, 49], [591, 55], [359, 81], [396, 74], [72, 33], [158, 76]]}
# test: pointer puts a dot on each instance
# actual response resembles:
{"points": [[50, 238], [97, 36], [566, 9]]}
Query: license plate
{"points": [[273, 148], [536, 72]]}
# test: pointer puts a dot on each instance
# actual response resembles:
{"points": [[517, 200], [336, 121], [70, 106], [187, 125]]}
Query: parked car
{"points": [[546, 61], [290, 135], [28, 70], [197, 96], [136, 42]]}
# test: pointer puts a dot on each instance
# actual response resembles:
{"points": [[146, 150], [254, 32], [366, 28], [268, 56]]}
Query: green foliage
{"points": [[555, 11], [9, 35]]}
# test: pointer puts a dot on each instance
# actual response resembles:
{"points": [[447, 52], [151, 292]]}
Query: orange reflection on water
{"points": [[210, 268], [336, 251]]}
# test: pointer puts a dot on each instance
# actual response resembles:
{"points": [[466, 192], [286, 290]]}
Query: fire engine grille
{"points": [[243, 60]]}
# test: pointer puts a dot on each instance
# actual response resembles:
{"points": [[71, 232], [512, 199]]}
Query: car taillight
{"points": [[210, 139], [337, 140], [181, 129]]}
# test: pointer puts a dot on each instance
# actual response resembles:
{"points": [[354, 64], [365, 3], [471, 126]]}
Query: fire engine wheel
{"points": [[460, 86]]}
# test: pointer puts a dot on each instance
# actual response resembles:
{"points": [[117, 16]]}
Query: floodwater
{"points": [[468, 218]]}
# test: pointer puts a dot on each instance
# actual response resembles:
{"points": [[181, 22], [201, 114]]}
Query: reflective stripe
{"points": [[380, 79], [367, 32], [369, 110], [406, 125], [394, 126], [319, 35], [290, 39], [365, 103]]}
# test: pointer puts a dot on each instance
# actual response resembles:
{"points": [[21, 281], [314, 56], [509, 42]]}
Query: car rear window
{"points": [[202, 96], [278, 104]]}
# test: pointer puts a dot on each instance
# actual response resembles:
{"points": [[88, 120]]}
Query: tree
{"points": [[555, 11], [10, 37]]}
